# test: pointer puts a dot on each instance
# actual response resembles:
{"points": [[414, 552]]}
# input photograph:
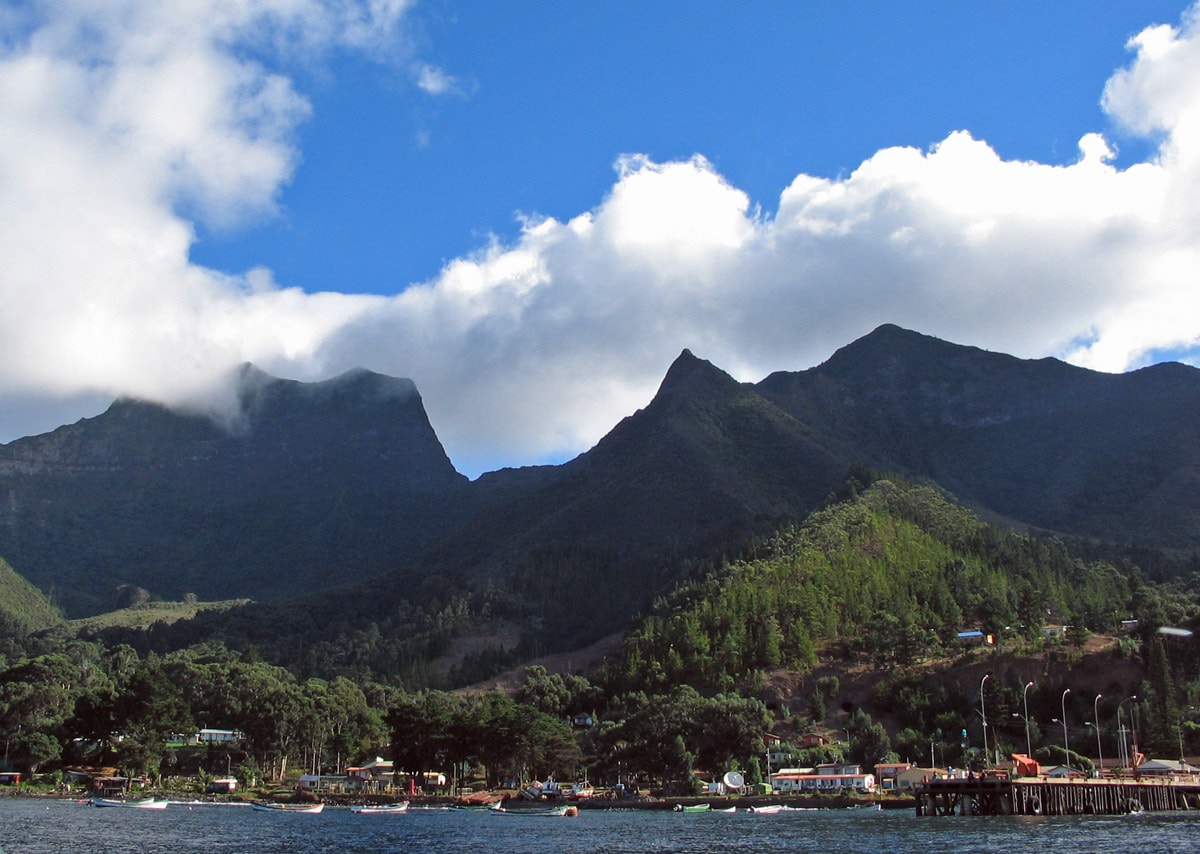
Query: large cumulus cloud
{"points": [[533, 349]]}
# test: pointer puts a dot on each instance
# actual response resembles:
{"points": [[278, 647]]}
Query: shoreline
{"points": [[830, 802]]}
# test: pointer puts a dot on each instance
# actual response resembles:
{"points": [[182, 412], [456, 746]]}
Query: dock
{"points": [[988, 795]]}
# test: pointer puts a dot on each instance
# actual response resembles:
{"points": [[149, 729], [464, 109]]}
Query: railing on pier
{"points": [[1032, 796]]}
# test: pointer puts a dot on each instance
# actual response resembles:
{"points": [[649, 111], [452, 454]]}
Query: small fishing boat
{"points": [[727, 810], [556, 812], [766, 809], [266, 806], [139, 804], [380, 809], [692, 808]]}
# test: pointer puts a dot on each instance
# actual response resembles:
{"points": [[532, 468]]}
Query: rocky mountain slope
{"points": [[314, 485], [344, 482], [1110, 456]]}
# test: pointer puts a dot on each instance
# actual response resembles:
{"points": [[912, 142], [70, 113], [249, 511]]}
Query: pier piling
{"points": [[1032, 796]]}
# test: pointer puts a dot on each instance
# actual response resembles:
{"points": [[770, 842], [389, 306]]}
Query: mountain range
{"points": [[344, 484]]}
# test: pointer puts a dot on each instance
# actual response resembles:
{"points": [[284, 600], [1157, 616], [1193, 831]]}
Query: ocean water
{"points": [[61, 826]]}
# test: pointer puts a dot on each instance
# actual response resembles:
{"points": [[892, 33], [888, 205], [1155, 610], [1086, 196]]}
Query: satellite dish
{"points": [[733, 780]]}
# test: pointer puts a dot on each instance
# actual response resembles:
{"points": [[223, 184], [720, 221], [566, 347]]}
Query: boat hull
{"points": [[143, 804], [557, 812], [307, 809], [381, 809]]}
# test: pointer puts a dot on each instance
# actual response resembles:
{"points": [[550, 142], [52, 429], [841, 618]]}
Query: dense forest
{"points": [[893, 574], [883, 578]]}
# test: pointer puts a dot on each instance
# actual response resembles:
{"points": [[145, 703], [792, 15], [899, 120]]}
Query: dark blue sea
{"points": [[57, 826]]}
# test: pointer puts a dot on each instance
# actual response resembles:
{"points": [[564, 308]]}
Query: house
{"points": [[218, 736], [886, 773], [222, 786], [838, 768], [1052, 631], [777, 753], [322, 782], [813, 739], [372, 775], [378, 774], [824, 778], [10, 778]]}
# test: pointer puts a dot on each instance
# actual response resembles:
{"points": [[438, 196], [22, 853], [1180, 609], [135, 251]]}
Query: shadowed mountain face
{"points": [[708, 464], [330, 484], [314, 485], [1112, 456]]}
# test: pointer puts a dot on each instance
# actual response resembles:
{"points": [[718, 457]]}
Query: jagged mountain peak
{"points": [[892, 349], [351, 466], [690, 376]]}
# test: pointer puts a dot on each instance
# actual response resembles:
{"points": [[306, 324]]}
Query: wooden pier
{"points": [[1038, 796]]}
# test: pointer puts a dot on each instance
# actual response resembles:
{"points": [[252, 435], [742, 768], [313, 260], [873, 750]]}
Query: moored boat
{"points": [[380, 809], [139, 804], [266, 806], [556, 812], [766, 809], [691, 808]]}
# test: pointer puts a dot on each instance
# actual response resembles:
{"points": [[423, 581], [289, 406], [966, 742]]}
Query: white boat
{"points": [[556, 812], [310, 809], [766, 809], [140, 804], [380, 809]]}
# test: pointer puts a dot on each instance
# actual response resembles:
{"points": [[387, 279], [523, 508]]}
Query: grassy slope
{"points": [[23, 608], [146, 614]]}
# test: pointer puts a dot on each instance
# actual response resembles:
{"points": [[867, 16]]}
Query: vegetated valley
{"points": [[797, 556]]}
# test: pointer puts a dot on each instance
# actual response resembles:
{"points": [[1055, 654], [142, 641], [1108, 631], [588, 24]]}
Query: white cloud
{"points": [[434, 81], [536, 348], [118, 115]]}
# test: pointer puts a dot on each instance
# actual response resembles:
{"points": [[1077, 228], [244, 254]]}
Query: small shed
{"points": [[976, 637]]}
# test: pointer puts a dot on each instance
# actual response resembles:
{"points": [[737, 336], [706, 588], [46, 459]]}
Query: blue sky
{"points": [[394, 183], [531, 208]]}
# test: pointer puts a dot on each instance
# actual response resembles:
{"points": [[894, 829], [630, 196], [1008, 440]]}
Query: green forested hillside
{"points": [[885, 576], [23, 608], [893, 573]]}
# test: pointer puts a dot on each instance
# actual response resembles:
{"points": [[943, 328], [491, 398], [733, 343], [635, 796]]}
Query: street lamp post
{"points": [[1099, 748], [1066, 744], [983, 713], [1025, 697]]}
